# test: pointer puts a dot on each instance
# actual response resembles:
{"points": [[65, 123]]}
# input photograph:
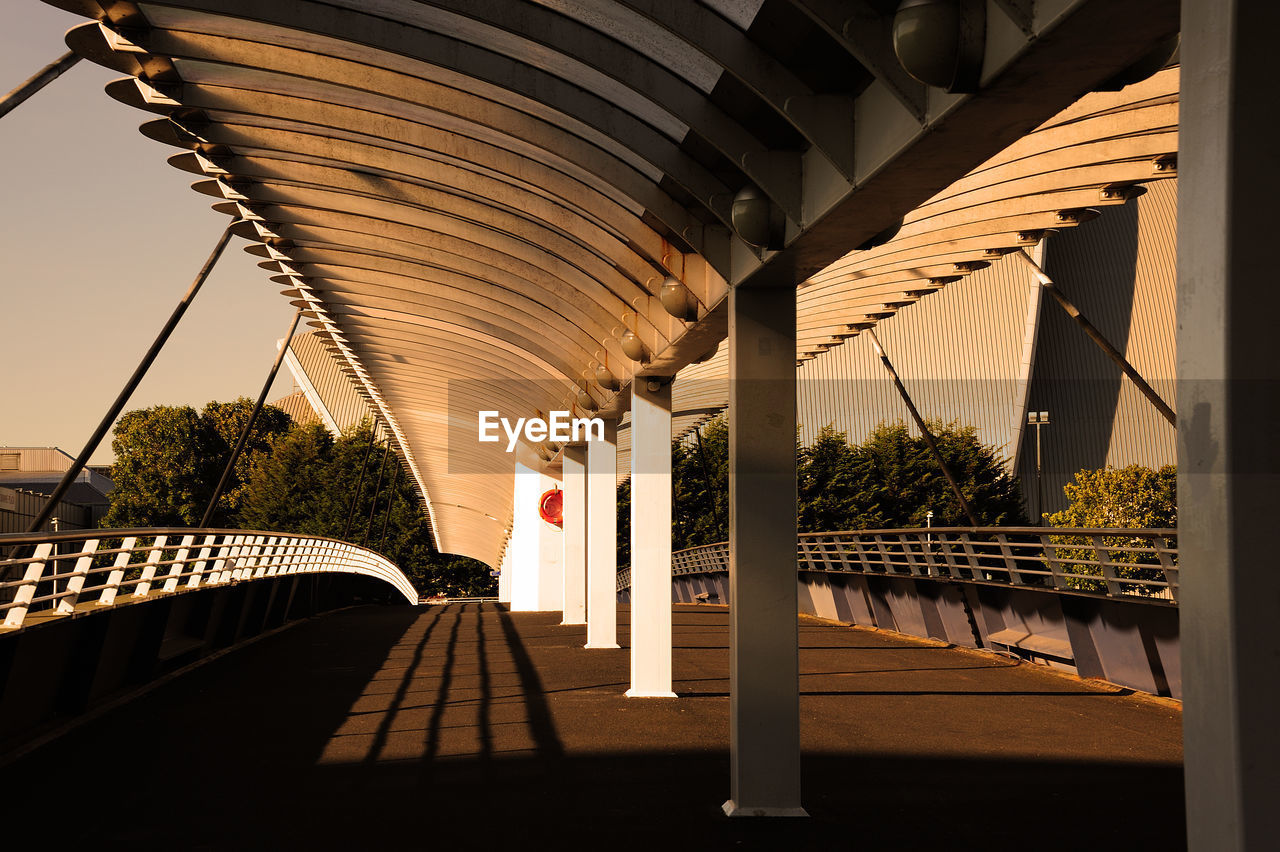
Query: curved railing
{"points": [[1118, 563], [47, 575]]}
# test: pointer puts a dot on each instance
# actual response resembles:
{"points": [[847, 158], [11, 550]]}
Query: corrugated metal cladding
{"points": [[34, 458], [1120, 271], [298, 407], [18, 508], [331, 393], [957, 351]]}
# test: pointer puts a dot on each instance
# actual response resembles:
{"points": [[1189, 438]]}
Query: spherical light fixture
{"points": [[633, 347], [605, 378], [677, 300], [757, 220], [941, 42]]}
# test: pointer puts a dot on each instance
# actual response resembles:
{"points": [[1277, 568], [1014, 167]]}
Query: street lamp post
{"points": [[1038, 419]]}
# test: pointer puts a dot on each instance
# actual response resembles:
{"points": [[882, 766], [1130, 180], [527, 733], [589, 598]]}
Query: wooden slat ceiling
{"points": [[475, 199]]}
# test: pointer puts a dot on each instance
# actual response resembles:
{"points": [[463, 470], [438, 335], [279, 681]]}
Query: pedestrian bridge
{"points": [[156, 664], [468, 726]]}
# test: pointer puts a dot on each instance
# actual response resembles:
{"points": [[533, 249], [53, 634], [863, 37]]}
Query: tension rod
{"points": [[924, 430], [42, 78], [1097, 337], [253, 416], [112, 413]]}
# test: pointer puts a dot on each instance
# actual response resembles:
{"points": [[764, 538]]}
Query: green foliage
{"points": [[1132, 497], [700, 485], [891, 480], [296, 479], [169, 459], [307, 484], [897, 480], [223, 422], [161, 469]]}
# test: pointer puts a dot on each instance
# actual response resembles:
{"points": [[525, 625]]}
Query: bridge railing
{"points": [[46, 575], [1117, 563]]}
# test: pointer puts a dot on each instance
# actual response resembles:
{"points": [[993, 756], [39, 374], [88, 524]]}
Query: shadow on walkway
{"points": [[467, 727]]}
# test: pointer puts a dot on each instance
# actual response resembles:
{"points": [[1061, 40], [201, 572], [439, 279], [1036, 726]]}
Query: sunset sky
{"points": [[99, 238]]}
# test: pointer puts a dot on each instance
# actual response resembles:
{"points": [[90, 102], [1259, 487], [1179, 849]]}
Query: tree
{"points": [[223, 422], [700, 486], [161, 469], [901, 480], [890, 480], [307, 483], [1131, 497], [1134, 497], [169, 459], [832, 485]]}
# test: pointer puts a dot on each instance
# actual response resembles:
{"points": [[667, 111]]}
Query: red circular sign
{"points": [[551, 507]]}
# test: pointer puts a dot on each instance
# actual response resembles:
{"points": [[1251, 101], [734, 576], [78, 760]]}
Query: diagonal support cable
{"points": [[248, 427], [42, 78], [112, 413], [364, 466], [924, 430], [377, 492], [1097, 337]]}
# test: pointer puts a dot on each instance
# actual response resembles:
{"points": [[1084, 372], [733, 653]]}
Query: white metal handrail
{"points": [[1124, 563], [56, 574]]}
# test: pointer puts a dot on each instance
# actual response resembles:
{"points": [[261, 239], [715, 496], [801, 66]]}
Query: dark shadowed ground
{"points": [[467, 727]]}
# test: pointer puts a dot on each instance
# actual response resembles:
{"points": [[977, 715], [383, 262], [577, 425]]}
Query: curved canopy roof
{"points": [[476, 199]]}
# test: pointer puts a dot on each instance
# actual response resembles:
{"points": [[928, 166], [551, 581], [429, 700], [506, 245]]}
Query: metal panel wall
{"points": [[957, 350], [1119, 270], [331, 393]]}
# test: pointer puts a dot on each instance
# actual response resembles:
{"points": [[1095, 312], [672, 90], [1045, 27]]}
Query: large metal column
{"points": [[650, 538], [575, 534], [602, 539], [764, 702], [1228, 408]]}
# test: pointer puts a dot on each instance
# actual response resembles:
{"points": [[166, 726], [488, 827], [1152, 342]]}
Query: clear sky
{"points": [[99, 238]]}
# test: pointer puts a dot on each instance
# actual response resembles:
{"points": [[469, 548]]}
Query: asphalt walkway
{"points": [[467, 727]]}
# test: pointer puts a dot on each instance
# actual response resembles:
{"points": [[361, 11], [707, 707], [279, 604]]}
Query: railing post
{"points": [[75, 583], [1010, 563], [108, 595], [179, 563], [30, 579], [1167, 564], [206, 550], [1103, 554], [1051, 557], [143, 587], [949, 556]]}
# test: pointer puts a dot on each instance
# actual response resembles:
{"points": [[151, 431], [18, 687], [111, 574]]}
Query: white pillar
{"points": [[536, 551], [602, 539], [504, 576], [1228, 408], [574, 474], [650, 538], [764, 696]]}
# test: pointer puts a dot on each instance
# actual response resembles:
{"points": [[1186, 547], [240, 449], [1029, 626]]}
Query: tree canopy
{"points": [[297, 479], [1134, 497], [890, 480], [169, 459]]}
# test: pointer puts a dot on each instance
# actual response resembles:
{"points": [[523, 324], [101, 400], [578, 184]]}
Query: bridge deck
{"points": [[464, 726]]}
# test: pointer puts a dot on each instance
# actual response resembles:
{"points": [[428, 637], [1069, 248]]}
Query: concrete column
{"points": [[602, 539], [650, 539], [1228, 408], [764, 699], [536, 551], [574, 474]]}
